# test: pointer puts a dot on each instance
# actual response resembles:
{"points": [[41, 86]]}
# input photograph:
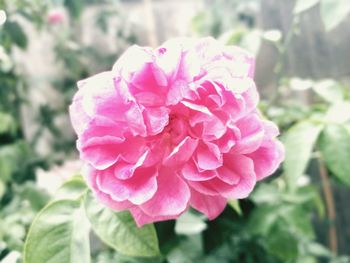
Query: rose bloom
{"points": [[174, 127], [56, 16]]}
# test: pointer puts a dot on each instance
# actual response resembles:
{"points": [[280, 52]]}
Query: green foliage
{"points": [[275, 225], [119, 230], [335, 149], [190, 223], [333, 12], [304, 5], [59, 234], [16, 34], [299, 142]]}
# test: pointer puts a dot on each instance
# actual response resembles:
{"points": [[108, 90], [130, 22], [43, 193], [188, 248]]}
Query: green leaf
{"points": [[74, 7], [16, 34], [333, 12], [299, 143], [335, 148], [234, 203], [59, 234], [118, 230], [329, 90], [338, 113], [2, 189], [72, 189], [282, 243], [7, 124], [190, 224], [29, 191], [304, 5]]}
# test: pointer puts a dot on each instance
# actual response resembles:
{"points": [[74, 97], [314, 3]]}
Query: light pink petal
{"points": [[228, 175], [100, 126], [251, 99], [181, 153], [131, 61], [211, 206], [267, 158], [190, 172], [236, 166], [168, 58], [197, 107], [228, 140], [124, 170], [244, 167], [135, 121], [100, 152], [208, 156], [252, 134], [91, 176], [78, 117], [243, 58], [213, 129], [171, 198], [141, 218], [132, 149], [137, 189], [156, 119]]}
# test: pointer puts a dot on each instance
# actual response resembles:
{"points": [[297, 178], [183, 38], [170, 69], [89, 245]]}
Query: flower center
{"points": [[176, 130]]}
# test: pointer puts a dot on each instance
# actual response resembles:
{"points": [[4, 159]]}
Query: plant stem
{"points": [[331, 214]]}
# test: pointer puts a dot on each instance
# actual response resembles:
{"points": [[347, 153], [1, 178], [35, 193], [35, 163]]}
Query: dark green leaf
{"points": [[15, 31], [234, 203], [118, 230], [282, 243], [74, 7]]}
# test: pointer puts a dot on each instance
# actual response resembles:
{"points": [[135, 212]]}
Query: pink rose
{"points": [[56, 16], [174, 127]]}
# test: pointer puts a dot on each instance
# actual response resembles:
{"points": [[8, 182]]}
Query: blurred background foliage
{"points": [[294, 216]]}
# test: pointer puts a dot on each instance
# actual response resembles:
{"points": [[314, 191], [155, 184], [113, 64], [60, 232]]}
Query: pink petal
{"points": [[138, 189], [168, 58], [208, 156], [100, 152], [135, 121], [252, 134], [197, 107], [237, 165], [228, 140], [267, 158], [181, 153], [244, 168], [141, 218], [190, 172], [213, 129], [90, 175], [211, 206], [124, 170], [156, 119], [171, 198]]}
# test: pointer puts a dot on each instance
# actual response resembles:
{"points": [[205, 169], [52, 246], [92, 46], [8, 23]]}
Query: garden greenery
{"points": [[275, 224]]}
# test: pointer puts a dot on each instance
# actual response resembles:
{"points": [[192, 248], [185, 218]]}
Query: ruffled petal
{"points": [[138, 189], [171, 198], [211, 206]]}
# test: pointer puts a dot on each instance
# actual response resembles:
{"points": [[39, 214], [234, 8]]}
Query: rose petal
{"points": [[171, 198], [211, 206]]}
